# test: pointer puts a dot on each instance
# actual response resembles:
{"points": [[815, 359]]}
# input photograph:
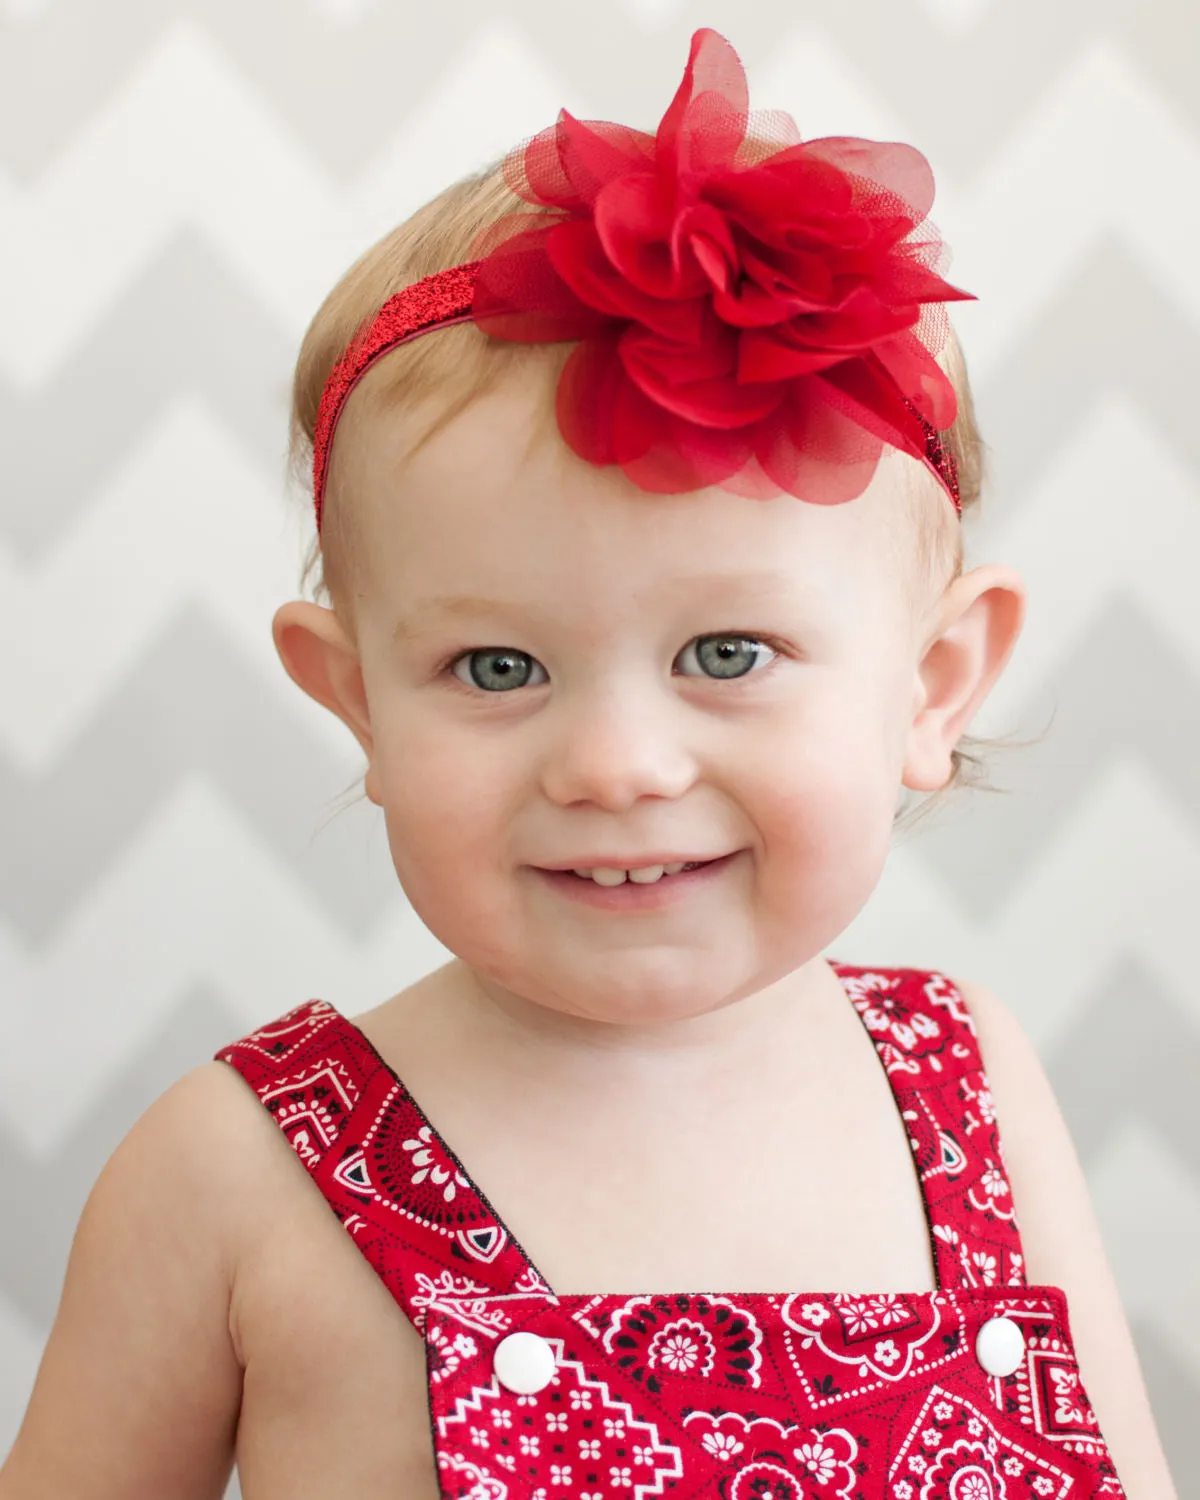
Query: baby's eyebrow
{"points": [[424, 615], [721, 589]]}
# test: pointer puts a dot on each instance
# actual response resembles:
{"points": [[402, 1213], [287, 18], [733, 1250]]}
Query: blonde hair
{"points": [[447, 372]]}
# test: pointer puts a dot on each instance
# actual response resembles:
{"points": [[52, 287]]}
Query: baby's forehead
{"points": [[494, 494]]}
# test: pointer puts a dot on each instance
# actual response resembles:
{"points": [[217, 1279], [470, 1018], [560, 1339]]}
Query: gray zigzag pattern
{"points": [[1111, 328], [1122, 692], [191, 705], [960, 93], [185, 325], [1175, 1400], [195, 705], [1132, 1053], [188, 325]]}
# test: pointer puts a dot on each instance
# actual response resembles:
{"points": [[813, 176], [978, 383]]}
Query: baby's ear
{"points": [[319, 656], [976, 627]]}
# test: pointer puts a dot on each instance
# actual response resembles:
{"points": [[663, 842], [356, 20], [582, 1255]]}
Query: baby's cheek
{"points": [[824, 815], [442, 813]]}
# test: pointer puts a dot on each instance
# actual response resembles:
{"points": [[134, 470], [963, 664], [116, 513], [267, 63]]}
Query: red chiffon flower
{"points": [[753, 310]]}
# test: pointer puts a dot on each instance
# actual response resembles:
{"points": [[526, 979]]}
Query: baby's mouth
{"points": [[644, 875], [641, 875]]}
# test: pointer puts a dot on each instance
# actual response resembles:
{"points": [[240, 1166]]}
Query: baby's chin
{"points": [[643, 990]]}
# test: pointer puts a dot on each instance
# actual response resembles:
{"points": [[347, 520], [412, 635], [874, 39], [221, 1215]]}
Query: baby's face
{"points": [[564, 672]]}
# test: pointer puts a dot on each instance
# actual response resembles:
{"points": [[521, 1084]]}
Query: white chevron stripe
{"points": [[1116, 511], [1148, 1204], [196, 897], [957, 16], [189, 517], [187, 142], [345, 12], [1104, 154], [25, 11], [1120, 878], [495, 94], [655, 15], [823, 89]]}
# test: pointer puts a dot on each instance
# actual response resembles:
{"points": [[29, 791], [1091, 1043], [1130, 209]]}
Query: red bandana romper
{"points": [[969, 1392]]}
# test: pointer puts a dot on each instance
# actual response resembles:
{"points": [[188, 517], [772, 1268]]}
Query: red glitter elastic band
{"points": [[438, 301], [441, 301]]}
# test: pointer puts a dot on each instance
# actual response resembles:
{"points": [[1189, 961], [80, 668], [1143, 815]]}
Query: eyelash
{"points": [[447, 665]]}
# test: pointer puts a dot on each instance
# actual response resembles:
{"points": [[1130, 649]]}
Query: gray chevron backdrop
{"points": [[180, 183]]}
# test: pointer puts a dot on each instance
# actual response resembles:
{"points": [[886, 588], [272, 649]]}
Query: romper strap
{"points": [[927, 1044], [401, 1194]]}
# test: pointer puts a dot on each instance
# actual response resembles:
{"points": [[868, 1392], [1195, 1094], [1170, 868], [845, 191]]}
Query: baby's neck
{"points": [[493, 1021]]}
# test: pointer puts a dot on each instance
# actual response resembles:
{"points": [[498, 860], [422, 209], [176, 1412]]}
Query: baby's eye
{"points": [[728, 655], [495, 669]]}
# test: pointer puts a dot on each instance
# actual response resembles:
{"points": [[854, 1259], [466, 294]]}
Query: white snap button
{"points": [[1000, 1346], [524, 1363]]}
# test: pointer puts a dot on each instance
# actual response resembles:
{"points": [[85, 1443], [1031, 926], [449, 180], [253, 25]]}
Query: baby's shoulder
{"points": [[145, 1308], [199, 1155], [200, 1175]]}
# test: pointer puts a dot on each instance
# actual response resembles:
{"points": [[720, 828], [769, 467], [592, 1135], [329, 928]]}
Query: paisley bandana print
{"points": [[710, 1395]]}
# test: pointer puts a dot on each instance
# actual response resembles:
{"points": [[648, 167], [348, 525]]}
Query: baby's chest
{"points": [[695, 1392], [336, 1397], [756, 1214], [347, 1393]]}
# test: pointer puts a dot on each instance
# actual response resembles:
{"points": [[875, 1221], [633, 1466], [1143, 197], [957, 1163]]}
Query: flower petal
{"points": [[586, 399], [566, 165], [519, 295], [705, 123], [696, 383], [814, 449], [577, 254]]}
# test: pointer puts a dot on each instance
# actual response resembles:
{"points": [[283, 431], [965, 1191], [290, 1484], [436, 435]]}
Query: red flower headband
{"points": [[756, 313]]}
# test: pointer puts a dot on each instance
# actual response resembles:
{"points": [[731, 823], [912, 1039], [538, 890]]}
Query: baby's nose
{"points": [[615, 749]]}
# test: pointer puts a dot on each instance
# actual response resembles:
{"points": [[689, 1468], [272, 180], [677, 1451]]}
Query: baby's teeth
{"points": [[647, 875], [672, 869], [608, 877]]}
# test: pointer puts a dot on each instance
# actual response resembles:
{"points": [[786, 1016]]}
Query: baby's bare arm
{"points": [[1063, 1246], [139, 1388]]}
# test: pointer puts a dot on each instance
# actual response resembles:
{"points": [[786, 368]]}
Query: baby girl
{"points": [[639, 465]]}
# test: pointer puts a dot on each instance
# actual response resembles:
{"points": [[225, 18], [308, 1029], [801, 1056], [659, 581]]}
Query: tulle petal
{"points": [[585, 402], [520, 297], [566, 165], [675, 456], [705, 123], [575, 251], [894, 176], [814, 450], [697, 387]]}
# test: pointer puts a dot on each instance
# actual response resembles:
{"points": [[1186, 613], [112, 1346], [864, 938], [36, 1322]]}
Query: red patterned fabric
{"points": [[795, 1395]]}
